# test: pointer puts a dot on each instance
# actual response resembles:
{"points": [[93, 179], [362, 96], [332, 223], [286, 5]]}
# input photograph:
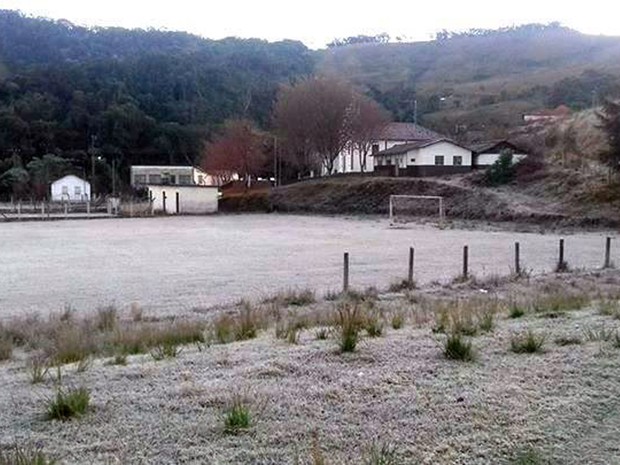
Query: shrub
{"points": [[486, 322], [349, 323], [17, 455], [527, 343], [609, 307], [237, 416], [456, 348], [502, 171], [68, 404]]}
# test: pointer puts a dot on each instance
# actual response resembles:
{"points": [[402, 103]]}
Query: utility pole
{"points": [[114, 177], [93, 139], [275, 160]]}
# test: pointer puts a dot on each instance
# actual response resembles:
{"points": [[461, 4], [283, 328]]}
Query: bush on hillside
{"points": [[502, 171]]}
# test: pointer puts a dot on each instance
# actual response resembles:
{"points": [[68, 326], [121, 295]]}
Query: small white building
{"points": [[70, 189], [487, 153], [147, 175], [184, 200], [424, 158]]}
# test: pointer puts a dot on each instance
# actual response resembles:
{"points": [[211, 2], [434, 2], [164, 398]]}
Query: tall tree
{"points": [[365, 122], [238, 149], [610, 123], [313, 117]]}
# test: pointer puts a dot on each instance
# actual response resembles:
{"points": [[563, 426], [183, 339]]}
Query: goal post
{"points": [[403, 207]]}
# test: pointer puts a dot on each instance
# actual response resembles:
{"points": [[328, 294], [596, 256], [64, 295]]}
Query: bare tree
{"points": [[366, 121], [237, 149], [314, 117]]}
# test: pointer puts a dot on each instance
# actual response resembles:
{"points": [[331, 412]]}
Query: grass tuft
{"points": [[398, 320], [568, 340], [373, 324], [6, 346], [68, 404], [599, 334], [38, 367], [237, 416], [321, 334], [456, 348], [18, 455], [384, 454], [106, 319], [349, 321], [528, 343], [166, 349], [403, 285]]}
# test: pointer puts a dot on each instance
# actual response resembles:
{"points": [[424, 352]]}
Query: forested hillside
{"points": [[137, 96], [85, 96]]}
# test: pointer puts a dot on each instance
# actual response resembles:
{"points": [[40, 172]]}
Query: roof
{"points": [[490, 146], [164, 167], [404, 148], [70, 176], [407, 132]]}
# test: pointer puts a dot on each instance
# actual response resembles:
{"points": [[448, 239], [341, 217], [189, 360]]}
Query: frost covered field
{"points": [[172, 265]]}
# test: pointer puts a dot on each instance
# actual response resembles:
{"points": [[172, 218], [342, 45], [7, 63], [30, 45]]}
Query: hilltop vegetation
{"points": [[148, 96]]}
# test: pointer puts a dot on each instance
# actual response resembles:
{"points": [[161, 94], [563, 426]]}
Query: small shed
{"points": [[184, 200], [70, 188]]}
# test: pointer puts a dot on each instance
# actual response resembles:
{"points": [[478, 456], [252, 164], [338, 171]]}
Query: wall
{"points": [[426, 155], [349, 161], [487, 159], [70, 182], [193, 200]]}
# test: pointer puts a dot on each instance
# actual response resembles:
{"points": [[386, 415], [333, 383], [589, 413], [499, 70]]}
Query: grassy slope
{"points": [[507, 66]]}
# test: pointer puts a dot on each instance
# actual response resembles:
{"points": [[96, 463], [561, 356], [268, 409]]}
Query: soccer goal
{"points": [[405, 208]]}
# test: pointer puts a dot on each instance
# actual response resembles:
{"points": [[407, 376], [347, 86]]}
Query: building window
{"points": [[155, 178], [185, 179], [439, 160], [65, 190], [139, 179], [77, 190], [457, 160], [413, 160], [375, 148]]}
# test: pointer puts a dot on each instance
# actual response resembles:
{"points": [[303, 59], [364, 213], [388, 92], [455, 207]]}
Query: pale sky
{"points": [[316, 22]]}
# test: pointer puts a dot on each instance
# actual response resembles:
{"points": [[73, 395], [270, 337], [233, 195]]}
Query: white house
{"points": [[487, 153], [70, 189], [143, 175], [188, 200], [391, 135], [432, 157]]}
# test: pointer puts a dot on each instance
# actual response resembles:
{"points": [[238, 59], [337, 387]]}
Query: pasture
{"points": [[176, 265]]}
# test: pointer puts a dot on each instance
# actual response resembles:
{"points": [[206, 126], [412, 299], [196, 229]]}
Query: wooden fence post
{"points": [[410, 275], [561, 263], [345, 281], [465, 262], [607, 253], [517, 259]]}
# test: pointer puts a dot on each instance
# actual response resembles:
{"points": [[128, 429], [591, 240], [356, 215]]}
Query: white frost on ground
{"points": [[171, 265]]}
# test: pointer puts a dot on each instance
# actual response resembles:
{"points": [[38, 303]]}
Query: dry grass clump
{"points": [[6, 346], [290, 328], [529, 457], [19, 455], [381, 454], [373, 323], [402, 285], [349, 322], [106, 318], [568, 340], [559, 301], [293, 297], [37, 367], [165, 349], [467, 317], [609, 307], [397, 321], [457, 348], [528, 343], [599, 334], [67, 404]]}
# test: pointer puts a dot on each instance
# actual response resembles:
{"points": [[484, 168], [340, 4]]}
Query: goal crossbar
{"points": [[419, 197]]}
